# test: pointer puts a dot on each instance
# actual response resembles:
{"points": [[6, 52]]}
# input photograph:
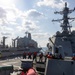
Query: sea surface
{"points": [[44, 49]]}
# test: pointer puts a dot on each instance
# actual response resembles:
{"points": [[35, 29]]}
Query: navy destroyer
{"points": [[63, 41], [62, 47], [19, 46]]}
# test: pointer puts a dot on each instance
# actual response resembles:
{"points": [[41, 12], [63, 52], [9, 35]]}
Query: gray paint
{"points": [[60, 67]]}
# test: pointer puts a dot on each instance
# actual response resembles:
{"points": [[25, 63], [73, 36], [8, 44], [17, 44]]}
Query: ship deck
{"points": [[16, 62]]}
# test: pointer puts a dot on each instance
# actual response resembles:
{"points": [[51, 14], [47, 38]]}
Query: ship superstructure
{"points": [[63, 42], [19, 46], [25, 41], [62, 47]]}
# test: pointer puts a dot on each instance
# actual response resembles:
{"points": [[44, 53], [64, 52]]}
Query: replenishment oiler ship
{"points": [[19, 46]]}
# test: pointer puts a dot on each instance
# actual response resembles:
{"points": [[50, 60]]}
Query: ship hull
{"points": [[15, 52]]}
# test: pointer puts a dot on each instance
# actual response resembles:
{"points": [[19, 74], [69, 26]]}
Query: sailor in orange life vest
{"points": [[34, 56], [27, 67], [29, 55], [41, 57], [24, 55], [73, 58], [46, 56]]}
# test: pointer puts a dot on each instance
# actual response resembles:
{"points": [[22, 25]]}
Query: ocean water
{"points": [[44, 49]]}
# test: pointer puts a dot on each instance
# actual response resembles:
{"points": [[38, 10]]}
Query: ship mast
{"points": [[66, 27]]}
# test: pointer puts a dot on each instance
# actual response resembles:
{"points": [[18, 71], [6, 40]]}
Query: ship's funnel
{"points": [[29, 36], [4, 41]]}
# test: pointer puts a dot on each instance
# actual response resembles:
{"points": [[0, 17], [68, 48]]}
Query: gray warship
{"points": [[19, 46], [62, 43], [65, 40]]}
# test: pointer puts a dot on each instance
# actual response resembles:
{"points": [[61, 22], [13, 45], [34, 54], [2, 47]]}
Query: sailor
{"points": [[46, 56], [24, 55], [49, 56], [0, 54], [29, 55], [41, 57], [27, 67], [73, 58], [34, 55]]}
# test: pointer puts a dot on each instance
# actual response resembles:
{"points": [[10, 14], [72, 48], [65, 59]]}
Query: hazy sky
{"points": [[34, 16]]}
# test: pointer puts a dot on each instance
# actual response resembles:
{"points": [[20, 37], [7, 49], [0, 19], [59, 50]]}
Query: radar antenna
{"points": [[66, 27]]}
